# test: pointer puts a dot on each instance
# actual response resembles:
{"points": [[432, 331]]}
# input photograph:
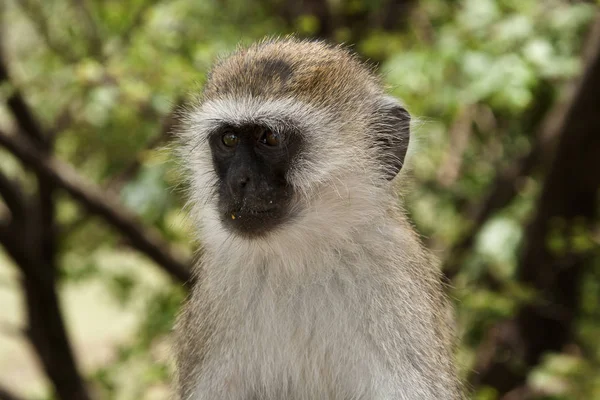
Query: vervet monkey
{"points": [[313, 284]]}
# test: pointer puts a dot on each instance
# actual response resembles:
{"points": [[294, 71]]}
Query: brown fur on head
{"points": [[314, 72]]}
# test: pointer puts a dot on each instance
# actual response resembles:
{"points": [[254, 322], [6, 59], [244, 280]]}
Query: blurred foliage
{"points": [[478, 74]]}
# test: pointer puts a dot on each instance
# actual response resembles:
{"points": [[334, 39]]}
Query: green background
{"points": [[483, 79]]}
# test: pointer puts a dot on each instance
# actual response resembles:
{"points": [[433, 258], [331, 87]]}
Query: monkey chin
{"points": [[254, 223]]}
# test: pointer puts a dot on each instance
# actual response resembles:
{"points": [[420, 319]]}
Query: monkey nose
{"points": [[243, 181], [238, 185]]}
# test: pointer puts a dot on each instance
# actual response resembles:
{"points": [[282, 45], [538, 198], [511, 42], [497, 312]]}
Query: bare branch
{"points": [[145, 239], [24, 116], [43, 215], [117, 181], [6, 395], [459, 135], [13, 196], [46, 329], [503, 190], [4, 229]]}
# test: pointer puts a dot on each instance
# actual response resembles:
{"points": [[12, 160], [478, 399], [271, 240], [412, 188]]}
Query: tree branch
{"points": [[569, 196], [505, 185], [4, 229], [6, 395], [117, 181], [12, 195], [503, 190], [459, 134], [43, 216], [24, 116], [45, 324], [145, 239], [31, 244]]}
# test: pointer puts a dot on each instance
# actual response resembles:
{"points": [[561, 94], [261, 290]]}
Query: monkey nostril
{"points": [[243, 181]]}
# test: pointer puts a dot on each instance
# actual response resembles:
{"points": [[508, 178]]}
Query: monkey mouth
{"points": [[253, 211], [253, 221]]}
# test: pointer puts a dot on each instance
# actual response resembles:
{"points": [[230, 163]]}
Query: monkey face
{"points": [[291, 130], [251, 162]]}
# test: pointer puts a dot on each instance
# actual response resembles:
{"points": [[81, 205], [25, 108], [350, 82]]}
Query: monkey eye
{"points": [[230, 139], [270, 138], [273, 138]]}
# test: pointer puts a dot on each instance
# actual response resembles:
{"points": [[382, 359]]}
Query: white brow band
{"points": [[275, 113]]}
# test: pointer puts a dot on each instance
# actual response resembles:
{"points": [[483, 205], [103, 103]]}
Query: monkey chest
{"points": [[312, 344]]}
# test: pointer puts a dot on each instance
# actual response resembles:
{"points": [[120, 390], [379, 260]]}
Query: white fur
{"points": [[313, 309]]}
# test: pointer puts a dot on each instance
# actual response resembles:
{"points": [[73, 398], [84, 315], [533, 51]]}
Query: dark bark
{"points": [[32, 245], [568, 199], [395, 14], [45, 328], [505, 185], [13, 196], [30, 239]]}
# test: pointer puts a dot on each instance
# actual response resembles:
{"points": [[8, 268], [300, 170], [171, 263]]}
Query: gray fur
{"points": [[342, 303]]}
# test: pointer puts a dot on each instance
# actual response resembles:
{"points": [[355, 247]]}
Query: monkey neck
{"points": [[316, 248]]}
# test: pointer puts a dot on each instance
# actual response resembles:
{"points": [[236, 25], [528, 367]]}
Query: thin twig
{"points": [[117, 181], [93, 32], [136, 21], [40, 24]]}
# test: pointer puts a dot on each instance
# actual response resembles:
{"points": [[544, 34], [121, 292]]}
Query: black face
{"points": [[251, 162]]}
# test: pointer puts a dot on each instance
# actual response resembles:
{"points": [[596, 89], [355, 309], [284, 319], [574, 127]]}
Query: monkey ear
{"points": [[392, 132]]}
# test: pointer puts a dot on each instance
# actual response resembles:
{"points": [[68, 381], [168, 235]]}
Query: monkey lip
{"points": [[252, 211], [266, 211], [253, 222]]}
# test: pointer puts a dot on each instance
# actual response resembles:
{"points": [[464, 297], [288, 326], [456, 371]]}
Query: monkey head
{"points": [[285, 130]]}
